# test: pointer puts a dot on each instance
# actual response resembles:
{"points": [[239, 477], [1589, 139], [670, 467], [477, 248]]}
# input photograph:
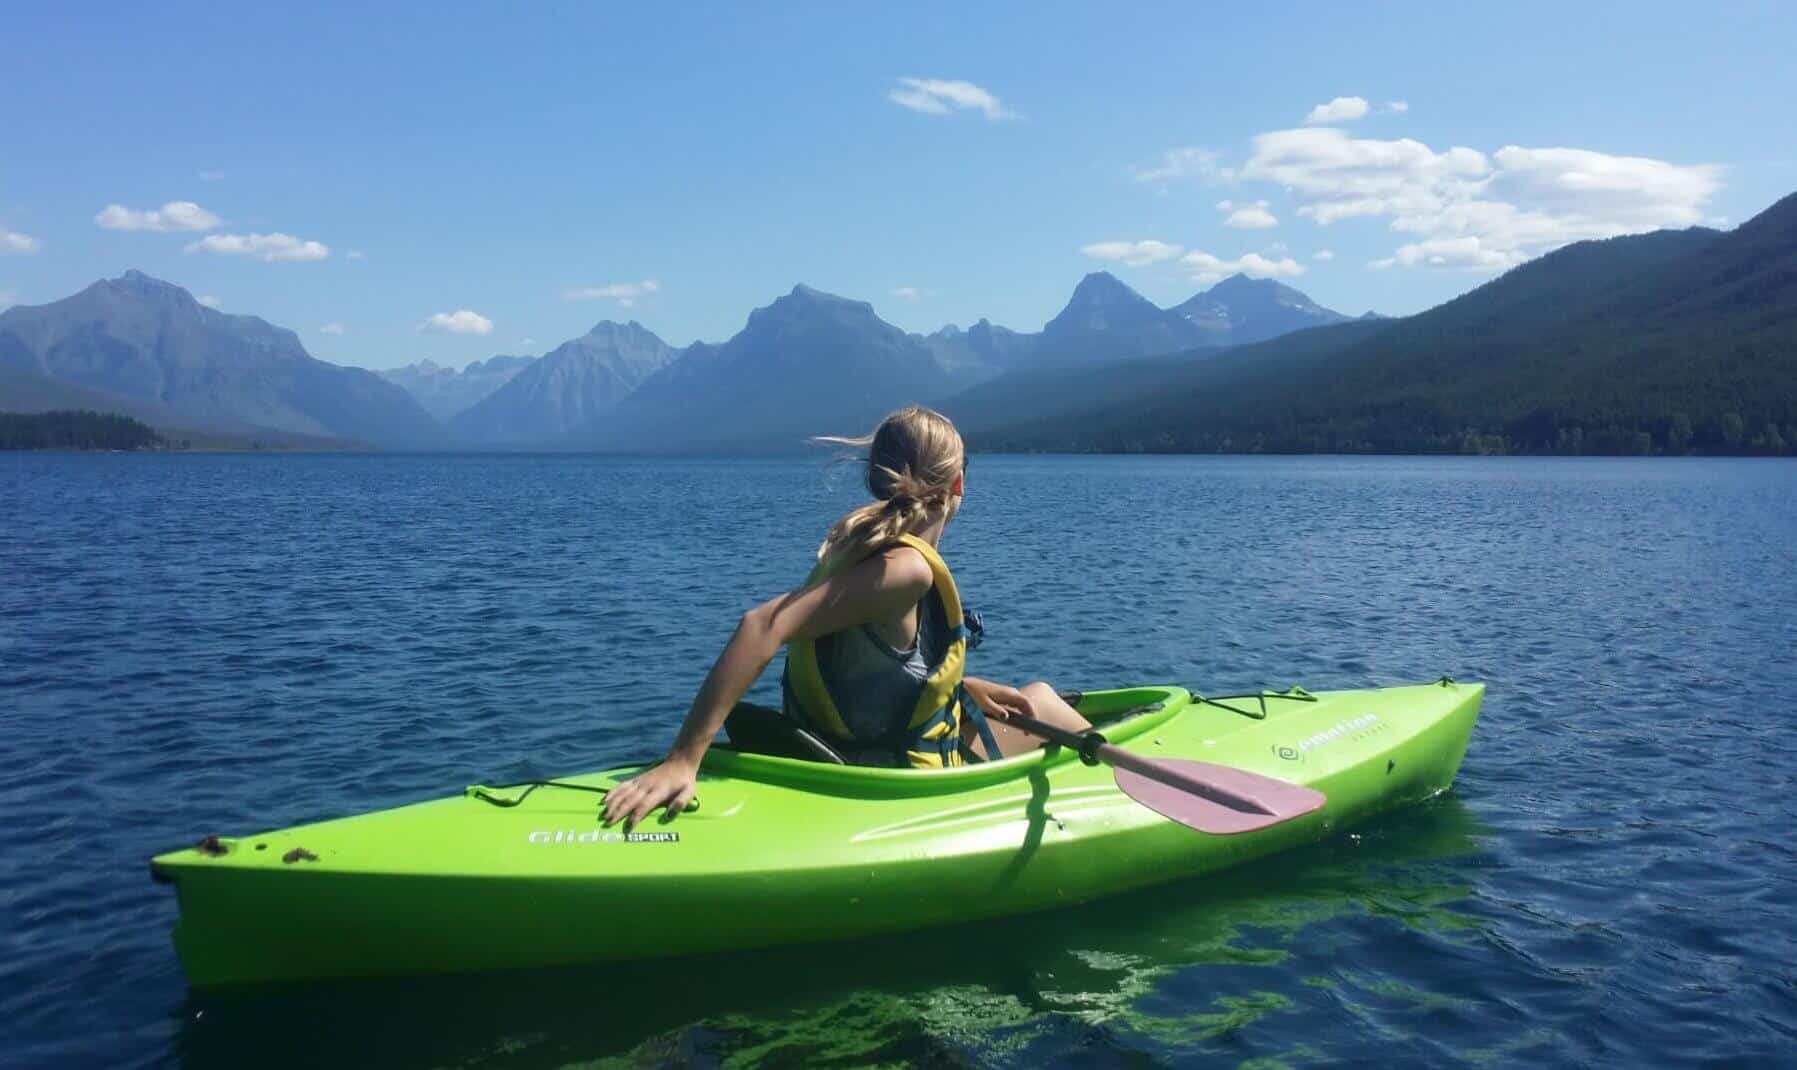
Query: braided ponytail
{"points": [[913, 459]]}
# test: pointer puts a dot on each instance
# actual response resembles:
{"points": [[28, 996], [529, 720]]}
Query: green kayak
{"points": [[782, 850]]}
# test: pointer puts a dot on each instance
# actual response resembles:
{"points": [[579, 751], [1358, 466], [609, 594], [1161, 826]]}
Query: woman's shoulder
{"points": [[904, 565]]}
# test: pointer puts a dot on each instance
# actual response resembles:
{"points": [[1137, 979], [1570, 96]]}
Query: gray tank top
{"points": [[875, 686]]}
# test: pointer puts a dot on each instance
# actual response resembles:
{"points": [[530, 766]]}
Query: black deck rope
{"points": [[1295, 694], [485, 794]]}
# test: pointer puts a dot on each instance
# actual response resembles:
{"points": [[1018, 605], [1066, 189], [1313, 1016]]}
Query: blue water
{"points": [[195, 644]]}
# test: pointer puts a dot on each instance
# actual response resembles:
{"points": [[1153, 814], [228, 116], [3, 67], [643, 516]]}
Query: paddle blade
{"points": [[1213, 798]]}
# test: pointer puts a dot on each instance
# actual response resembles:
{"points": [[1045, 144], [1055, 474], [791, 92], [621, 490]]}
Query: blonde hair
{"points": [[913, 459]]}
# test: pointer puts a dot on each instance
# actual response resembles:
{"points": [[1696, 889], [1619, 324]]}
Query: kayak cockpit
{"points": [[767, 746]]}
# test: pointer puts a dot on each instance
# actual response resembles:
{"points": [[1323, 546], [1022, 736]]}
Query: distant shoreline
{"points": [[357, 449], [89, 431], [86, 430]]}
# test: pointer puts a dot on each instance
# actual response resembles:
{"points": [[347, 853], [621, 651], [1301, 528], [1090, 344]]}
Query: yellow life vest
{"points": [[932, 737]]}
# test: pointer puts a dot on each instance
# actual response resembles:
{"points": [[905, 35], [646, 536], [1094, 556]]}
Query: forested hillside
{"points": [[74, 431], [1670, 342]]}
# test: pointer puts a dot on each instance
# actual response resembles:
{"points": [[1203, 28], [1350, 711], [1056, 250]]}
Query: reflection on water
{"points": [[1198, 967]]}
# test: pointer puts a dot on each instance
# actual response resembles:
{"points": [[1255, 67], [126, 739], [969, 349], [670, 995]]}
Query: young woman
{"points": [[875, 638]]}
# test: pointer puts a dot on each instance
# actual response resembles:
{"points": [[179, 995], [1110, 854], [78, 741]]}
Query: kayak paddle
{"points": [[1212, 798]]}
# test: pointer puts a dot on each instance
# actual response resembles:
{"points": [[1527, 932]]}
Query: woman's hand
{"points": [[1001, 702], [670, 785]]}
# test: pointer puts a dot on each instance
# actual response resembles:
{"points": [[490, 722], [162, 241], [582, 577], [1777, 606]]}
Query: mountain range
{"points": [[145, 348], [811, 356], [1240, 310], [1664, 342], [566, 388], [444, 392]]}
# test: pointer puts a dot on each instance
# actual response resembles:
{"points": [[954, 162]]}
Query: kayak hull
{"points": [[783, 851]]}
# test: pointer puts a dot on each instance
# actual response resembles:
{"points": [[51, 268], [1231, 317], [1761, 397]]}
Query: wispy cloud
{"points": [[1397, 107], [461, 321], [273, 248], [1207, 268], [1247, 216], [11, 241], [211, 302], [624, 293], [355, 254], [8, 298], [1133, 253], [1323, 255], [212, 176], [175, 215], [331, 328], [1339, 110], [1186, 162], [937, 96], [906, 293]]}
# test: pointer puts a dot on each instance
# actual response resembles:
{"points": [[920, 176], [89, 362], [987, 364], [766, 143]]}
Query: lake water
{"points": [[226, 643]]}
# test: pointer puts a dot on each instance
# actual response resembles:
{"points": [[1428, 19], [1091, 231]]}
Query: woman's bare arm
{"points": [[882, 586]]}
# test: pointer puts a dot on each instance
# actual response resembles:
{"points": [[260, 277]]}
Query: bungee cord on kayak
{"points": [[484, 792], [1292, 694]]}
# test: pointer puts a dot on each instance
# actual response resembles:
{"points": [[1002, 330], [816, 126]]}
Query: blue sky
{"points": [[452, 182]]}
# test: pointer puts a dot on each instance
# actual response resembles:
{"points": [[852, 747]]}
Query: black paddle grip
{"points": [[1084, 744]]}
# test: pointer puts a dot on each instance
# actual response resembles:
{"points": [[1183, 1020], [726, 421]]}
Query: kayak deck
{"points": [[786, 851]]}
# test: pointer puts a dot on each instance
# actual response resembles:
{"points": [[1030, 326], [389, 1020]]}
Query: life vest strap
{"points": [[971, 709]]}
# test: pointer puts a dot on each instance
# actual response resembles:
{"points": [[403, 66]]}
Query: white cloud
{"points": [[1190, 161], [11, 241], [1207, 268], [527, 341], [1632, 190], [1339, 110], [1447, 253], [212, 176], [907, 293], [355, 254], [175, 215], [1339, 177], [1323, 255], [331, 328], [936, 96], [269, 247], [461, 321], [1470, 211], [624, 293], [211, 302], [1247, 216], [1133, 253], [1397, 107]]}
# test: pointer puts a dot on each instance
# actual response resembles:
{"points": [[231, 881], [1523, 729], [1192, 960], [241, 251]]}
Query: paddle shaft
{"points": [[1092, 749]]}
